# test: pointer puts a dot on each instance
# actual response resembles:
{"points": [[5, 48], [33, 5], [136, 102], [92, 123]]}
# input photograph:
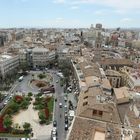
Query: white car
{"points": [[56, 81], [54, 131], [60, 105], [6, 101]]}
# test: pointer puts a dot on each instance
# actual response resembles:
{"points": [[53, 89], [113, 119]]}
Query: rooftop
{"points": [[92, 105], [37, 49], [5, 57], [112, 73], [121, 92], [87, 129], [115, 62]]}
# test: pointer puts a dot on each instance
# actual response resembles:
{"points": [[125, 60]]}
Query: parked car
{"points": [[6, 101], [66, 115], [65, 108], [54, 132], [66, 127], [50, 89], [54, 123], [60, 105], [65, 99], [66, 120]]}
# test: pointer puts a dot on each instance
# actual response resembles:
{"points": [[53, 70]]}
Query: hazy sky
{"points": [[69, 13]]}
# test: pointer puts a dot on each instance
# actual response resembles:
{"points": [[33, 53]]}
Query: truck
{"points": [[47, 89]]}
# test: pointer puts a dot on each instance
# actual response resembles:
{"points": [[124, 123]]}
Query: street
{"points": [[59, 112], [24, 87]]}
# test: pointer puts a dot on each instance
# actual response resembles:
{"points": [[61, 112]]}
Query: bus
{"points": [[20, 78]]}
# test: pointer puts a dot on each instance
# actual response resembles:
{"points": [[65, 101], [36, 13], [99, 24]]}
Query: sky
{"points": [[69, 13]]}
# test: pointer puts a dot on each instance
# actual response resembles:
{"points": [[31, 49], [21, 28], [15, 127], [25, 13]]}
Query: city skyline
{"points": [[69, 13]]}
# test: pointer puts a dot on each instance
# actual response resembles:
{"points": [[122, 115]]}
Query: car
{"points": [[6, 101], [54, 123], [54, 132], [65, 99], [66, 115], [69, 89], [66, 127], [46, 69], [60, 105], [37, 69], [66, 112], [10, 96], [48, 89], [57, 81], [66, 120], [54, 138], [65, 108]]}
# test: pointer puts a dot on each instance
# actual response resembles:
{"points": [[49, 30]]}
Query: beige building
{"points": [[87, 129], [131, 77], [8, 64], [121, 95], [92, 104], [114, 77], [115, 64]]}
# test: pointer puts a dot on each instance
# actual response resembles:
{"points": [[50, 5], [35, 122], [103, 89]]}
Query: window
{"points": [[85, 103], [100, 113], [85, 97], [97, 113], [94, 112]]}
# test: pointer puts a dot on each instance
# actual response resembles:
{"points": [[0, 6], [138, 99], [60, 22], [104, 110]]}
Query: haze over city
{"points": [[69, 13]]}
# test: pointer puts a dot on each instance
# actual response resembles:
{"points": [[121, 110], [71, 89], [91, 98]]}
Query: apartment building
{"points": [[1, 41], [22, 57], [131, 77], [40, 57], [114, 77], [8, 64], [115, 64]]}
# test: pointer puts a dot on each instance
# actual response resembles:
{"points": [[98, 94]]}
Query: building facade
{"points": [[8, 64], [40, 57]]}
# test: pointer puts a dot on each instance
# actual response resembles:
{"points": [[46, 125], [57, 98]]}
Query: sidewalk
{"points": [[71, 97]]}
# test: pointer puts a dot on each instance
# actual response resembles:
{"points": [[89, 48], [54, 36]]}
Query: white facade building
{"points": [[8, 63]]}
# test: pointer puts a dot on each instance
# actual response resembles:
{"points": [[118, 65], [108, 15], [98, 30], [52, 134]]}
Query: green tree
{"points": [[30, 94], [7, 122], [15, 107], [27, 127], [24, 104], [1, 96], [65, 68], [41, 76], [42, 117]]}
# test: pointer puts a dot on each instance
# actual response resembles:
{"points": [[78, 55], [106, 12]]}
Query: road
{"points": [[24, 87], [59, 94]]}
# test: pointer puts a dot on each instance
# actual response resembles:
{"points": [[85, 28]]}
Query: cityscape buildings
{"points": [[64, 79]]}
